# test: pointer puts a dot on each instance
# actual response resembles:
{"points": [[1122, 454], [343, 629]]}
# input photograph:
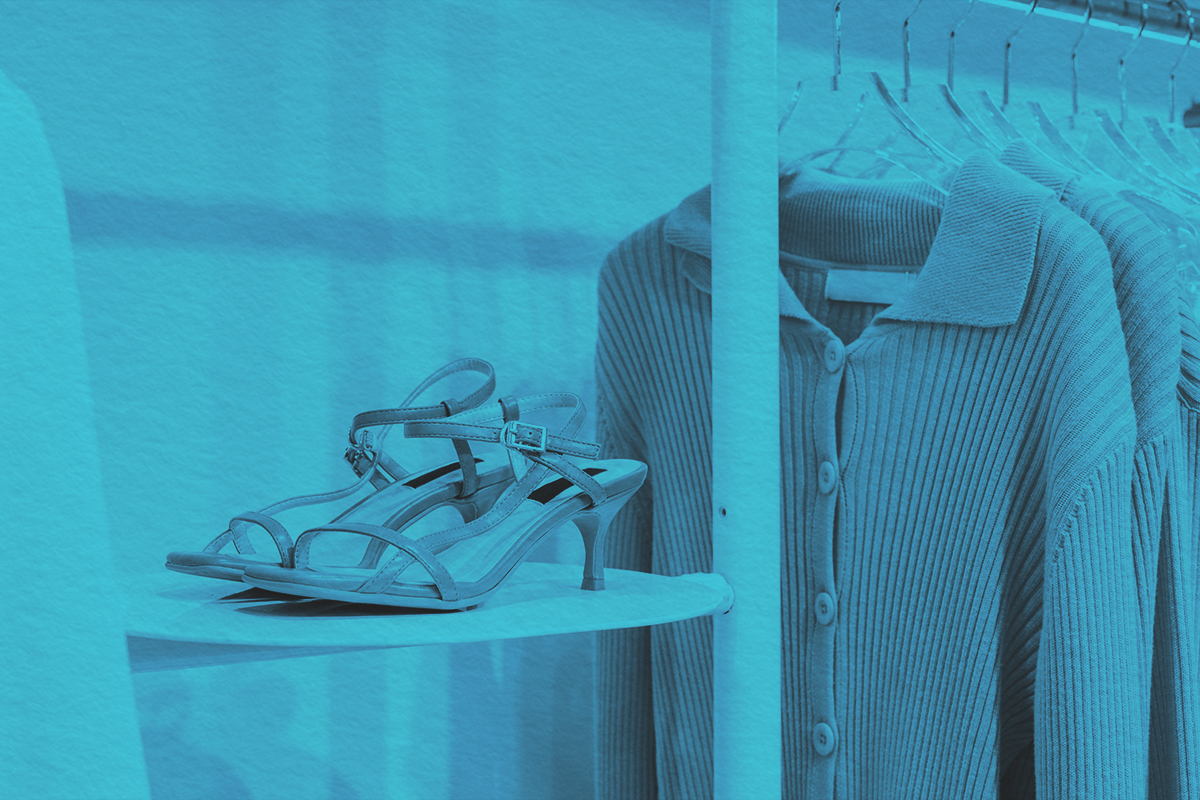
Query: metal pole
{"points": [[745, 413]]}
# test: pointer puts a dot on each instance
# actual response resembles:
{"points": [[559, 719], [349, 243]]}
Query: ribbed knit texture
{"points": [[1148, 294], [977, 540], [641, 338], [1176, 689]]}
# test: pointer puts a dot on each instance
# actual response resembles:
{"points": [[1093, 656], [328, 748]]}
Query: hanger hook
{"points": [[837, 41], [953, 33], [1124, 57], [1087, 18], [1008, 49], [1187, 46], [908, 48], [837, 66]]}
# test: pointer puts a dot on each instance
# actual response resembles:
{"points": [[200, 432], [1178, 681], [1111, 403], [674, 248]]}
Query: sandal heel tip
{"points": [[592, 584]]}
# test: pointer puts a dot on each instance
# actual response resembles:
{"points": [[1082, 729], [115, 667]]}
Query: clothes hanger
{"points": [[1178, 144], [858, 90], [871, 123], [1093, 133], [936, 107], [1174, 212], [1031, 119], [840, 108], [950, 45], [1181, 136], [1101, 134], [1172, 217], [1169, 209], [988, 116], [1130, 177]]}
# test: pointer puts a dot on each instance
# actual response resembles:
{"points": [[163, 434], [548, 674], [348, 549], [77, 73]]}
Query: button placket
{"points": [[821, 679]]}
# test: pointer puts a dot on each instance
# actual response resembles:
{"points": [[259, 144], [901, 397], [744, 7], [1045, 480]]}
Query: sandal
{"points": [[471, 486], [465, 565]]}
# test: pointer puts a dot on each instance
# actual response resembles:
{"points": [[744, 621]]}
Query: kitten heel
{"points": [[593, 525]]}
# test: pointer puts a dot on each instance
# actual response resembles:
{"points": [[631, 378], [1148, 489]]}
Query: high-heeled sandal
{"points": [[470, 486], [469, 563]]}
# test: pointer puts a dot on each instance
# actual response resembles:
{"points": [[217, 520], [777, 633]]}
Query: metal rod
{"points": [[1162, 22], [907, 49], [1121, 65], [953, 34], [1187, 48], [1029, 9], [747, 717], [1074, 54], [837, 42]]}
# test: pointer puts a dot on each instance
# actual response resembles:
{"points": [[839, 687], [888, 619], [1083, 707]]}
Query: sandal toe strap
{"points": [[241, 542], [371, 464], [441, 576]]}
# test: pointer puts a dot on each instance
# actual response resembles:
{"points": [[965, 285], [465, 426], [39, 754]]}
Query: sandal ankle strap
{"points": [[535, 442], [367, 458], [406, 412], [522, 437]]}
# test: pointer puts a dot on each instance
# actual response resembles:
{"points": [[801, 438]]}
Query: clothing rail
{"points": [[1166, 20]]}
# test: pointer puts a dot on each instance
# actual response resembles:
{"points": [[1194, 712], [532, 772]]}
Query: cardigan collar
{"points": [[978, 245]]}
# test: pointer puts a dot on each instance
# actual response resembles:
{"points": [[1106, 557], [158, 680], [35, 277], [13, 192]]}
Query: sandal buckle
{"points": [[523, 437], [359, 450]]}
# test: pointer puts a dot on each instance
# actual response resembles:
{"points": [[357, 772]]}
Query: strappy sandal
{"points": [[470, 486], [465, 565]]}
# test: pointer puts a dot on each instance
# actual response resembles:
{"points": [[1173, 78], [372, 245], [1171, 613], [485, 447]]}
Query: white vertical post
{"points": [[746, 462]]}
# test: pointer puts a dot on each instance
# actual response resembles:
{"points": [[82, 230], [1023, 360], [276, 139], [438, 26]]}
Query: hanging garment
{"points": [[958, 580], [1164, 530], [67, 718]]}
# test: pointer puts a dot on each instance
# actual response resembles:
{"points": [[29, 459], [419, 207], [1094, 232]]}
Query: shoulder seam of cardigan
{"points": [[1061, 527]]}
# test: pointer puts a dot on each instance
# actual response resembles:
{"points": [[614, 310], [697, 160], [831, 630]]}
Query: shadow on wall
{"points": [[117, 220]]}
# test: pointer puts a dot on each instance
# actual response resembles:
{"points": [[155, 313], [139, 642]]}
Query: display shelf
{"points": [[178, 621]]}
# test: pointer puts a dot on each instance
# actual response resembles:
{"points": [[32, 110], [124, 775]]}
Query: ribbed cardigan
{"points": [[1165, 534], [973, 534]]}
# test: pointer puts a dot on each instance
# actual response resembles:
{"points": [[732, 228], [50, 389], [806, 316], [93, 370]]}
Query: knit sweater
{"points": [[1164, 532], [956, 571]]}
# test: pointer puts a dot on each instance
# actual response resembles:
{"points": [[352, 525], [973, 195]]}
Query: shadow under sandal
{"points": [[470, 485], [460, 567]]}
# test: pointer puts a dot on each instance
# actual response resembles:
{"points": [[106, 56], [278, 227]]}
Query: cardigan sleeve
{"points": [[1175, 718], [625, 759], [1088, 727], [1175, 697], [1090, 733], [1145, 273]]}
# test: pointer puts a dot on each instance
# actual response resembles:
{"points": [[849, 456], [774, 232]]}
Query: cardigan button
{"points": [[826, 608], [826, 477], [835, 353], [823, 739]]}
